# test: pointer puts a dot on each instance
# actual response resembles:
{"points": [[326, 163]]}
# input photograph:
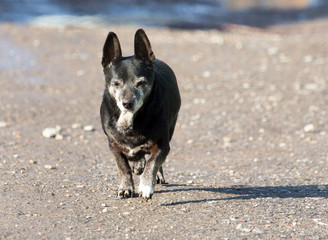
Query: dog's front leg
{"points": [[148, 177], [126, 188]]}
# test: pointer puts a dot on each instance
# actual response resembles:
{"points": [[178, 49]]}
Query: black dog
{"points": [[139, 110]]}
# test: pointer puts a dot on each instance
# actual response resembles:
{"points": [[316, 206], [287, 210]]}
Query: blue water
{"points": [[171, 13]]}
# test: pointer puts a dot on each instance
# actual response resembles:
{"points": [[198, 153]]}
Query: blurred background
{"points": [[203, 14]]}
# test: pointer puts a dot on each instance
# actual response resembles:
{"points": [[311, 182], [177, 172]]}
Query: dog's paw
{"points": [[146, 191], [160, 180], [125, 193]]}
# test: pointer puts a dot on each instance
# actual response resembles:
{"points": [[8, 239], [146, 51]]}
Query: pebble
{"points": [[307, 59], [312, 87], [309, 128], [49, 166], [76, 125], [226, 142], [36, 43], [321, 188], [59, 137], [272, 51], [33, 161], [199, 101], [3, 124], [319, 222], [240, 227], [88, 128], [50, 132], [206, 74], [80, 73]]}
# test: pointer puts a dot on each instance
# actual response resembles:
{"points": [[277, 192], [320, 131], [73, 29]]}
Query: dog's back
{"points": [[167, 80]]}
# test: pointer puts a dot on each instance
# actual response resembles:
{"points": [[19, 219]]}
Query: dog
{"points": [[138, 112]]}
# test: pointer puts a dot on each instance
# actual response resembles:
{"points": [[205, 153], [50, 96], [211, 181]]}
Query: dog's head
{"points": [[129, 80]]}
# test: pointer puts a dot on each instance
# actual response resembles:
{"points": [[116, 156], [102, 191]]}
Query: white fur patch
{"points": [[135, 150], [125, 121], [145, 190]]}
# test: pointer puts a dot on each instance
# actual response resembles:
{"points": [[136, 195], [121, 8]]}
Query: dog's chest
{"points": [[135, 152], [125, 121]]}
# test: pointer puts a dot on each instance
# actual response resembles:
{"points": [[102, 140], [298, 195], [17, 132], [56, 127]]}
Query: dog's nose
{"points": [[128, 103]]}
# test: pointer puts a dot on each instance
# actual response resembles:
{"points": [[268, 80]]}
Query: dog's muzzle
{"points": [[128, 104]]}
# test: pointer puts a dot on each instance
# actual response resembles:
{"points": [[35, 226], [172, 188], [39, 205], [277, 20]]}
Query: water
{"points": [[172, 13], [270, 4]]}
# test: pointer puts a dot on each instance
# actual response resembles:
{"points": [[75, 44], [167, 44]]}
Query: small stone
{"points": [[88, 128], [217, 39], [258, 231], [247, 229], [282, 145], [33, 161], [226, 139], [50, 132], [272, 51], [206, 74], [59, 137], [246, 85], [76, 125], [307, 59], [321, 188], [309, 128], [226, 142], [3, 124], [80, 73], [49, 166], [319, 222], [312, 87], [199, 101], [240, 227], [36, 43], [190, 182], [105, 210]]}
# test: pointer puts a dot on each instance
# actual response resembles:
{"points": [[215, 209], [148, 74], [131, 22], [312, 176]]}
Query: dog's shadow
{"points": [[245, 192]]}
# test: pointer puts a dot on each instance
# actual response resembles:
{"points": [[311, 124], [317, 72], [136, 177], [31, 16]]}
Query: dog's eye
{"points": [[116, 83], [141, 84]]}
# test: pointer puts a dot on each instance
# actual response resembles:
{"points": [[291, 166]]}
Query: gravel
{"points": [[248, 158]]}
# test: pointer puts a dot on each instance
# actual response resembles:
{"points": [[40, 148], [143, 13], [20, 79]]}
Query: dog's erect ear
{"points": [[142, 47], [112, 50]]}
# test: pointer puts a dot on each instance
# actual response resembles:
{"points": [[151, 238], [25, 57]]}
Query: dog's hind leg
{"points": [[160, 177]]}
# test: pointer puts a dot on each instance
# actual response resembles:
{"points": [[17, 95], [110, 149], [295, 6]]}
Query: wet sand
{"points": [[248, 159]]}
